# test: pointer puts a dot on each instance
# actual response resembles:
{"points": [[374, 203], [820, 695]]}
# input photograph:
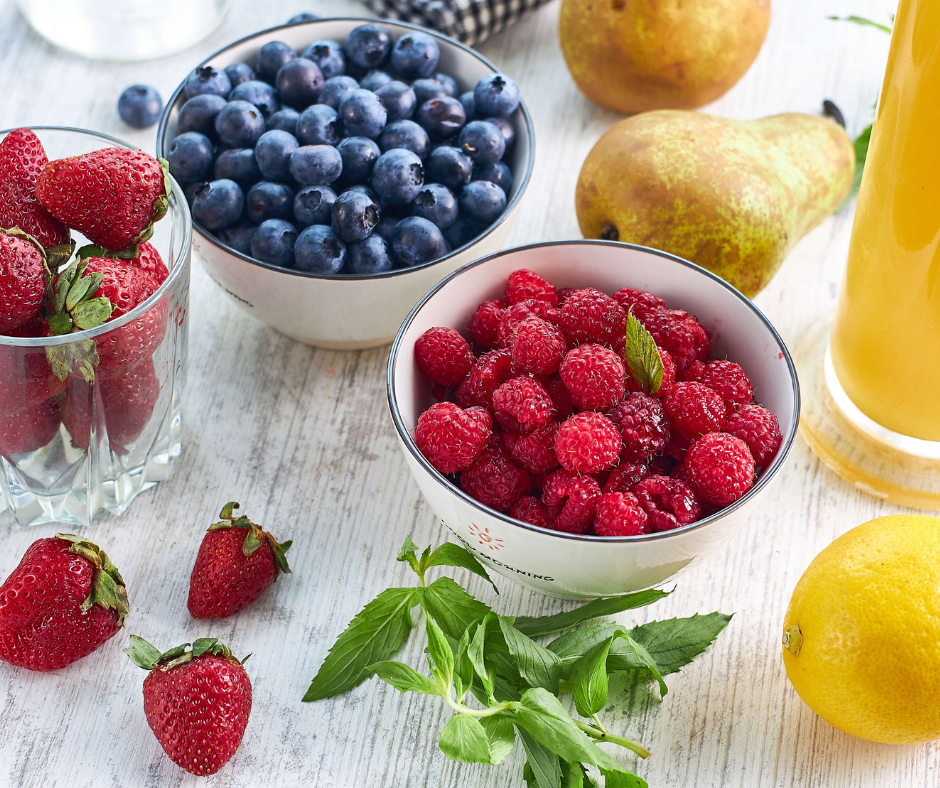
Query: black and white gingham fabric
{"points": [[469, 21]]}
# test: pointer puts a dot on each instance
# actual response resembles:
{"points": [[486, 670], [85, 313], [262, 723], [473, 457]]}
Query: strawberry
{"points": [[112, 195], [23, 279], [22, 158], [63, 601], [237, 561], [151, 262], [197, 702]]}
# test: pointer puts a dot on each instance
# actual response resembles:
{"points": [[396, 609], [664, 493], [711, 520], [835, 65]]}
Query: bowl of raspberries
{"points": [[590, 417], [339, 168]]}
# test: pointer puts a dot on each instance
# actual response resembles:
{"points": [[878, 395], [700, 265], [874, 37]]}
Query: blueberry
{"points": [[239, 124], [140, 106], [354, 216], [283, 120], [398, 176], [398, 99], [506, 129], [370, 256], [496, 95], [319, 251], [239, 165], [190, 157], [238, 236], [198, 114], [271, 59], [482, 142], [376, 79], [442, 117], [449, 166], [219, 204], [416, 240], [359, 155], [328, 55], [482, 201], [436, 203], [317, 165], [362, 114], [239, 72], [405, 134], [299, 19], [462, 232], [385, 227], [299, 83], [370, 193], [498, 173], [261, 94], [319, 125], [191, 191], [314, 205], [469, 108], [207, 79], [428, 88], [415, 55], [336, 89], [267, 200], [273, 153], [273, 242], [448, 82], [368, 45]]}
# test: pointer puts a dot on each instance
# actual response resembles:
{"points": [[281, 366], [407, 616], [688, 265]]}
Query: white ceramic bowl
{"points": [[565, 564], [346, 312]]}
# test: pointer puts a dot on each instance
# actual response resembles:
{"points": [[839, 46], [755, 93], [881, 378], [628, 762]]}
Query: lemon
{"points": [[862, 633]]}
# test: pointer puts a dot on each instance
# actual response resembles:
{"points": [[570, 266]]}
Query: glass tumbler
{"points": [[71, 447]]}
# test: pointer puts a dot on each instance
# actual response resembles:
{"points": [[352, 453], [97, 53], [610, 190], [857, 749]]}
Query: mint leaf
{"points": [[606, 606], [544, 767], [578, 642], [860, 20], [476, 654], [376, 633], [464, 739], [589, 682], [404, 678], [463, 667], [442, 658], [407, 553], [501, 735], [450, 606], [450, 554], [642, 356], [646, 660], [537, 666], [572, 775], [673, 644], [623, 780]]}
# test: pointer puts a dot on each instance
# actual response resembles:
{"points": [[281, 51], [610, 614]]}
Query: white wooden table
{"points": [[302, 438]]}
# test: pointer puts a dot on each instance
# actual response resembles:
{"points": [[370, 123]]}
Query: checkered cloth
{"points": [[469, 21]]}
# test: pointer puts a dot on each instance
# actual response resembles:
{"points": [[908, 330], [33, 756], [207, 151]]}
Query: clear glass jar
{"points": [[69, 448]]}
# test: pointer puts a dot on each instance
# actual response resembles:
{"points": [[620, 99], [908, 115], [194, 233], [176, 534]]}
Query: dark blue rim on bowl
{"points": [[511, 205], [405, 436]]}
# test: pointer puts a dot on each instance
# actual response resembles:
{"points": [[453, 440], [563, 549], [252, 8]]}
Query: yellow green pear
{"points": [[732, 196], [640, 55]]}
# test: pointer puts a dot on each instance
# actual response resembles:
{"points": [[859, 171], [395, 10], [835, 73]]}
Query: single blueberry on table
{"points": [[314, 205], [482, 201], [219, 204], [271, 59], [240, 72], [405, 134], [273, 242], [398, 176], [482, 142], [273, 153], [354, 216], [368, 45], [450, 167], [370, 193], [199, 113], [497, 95], [207, 79], [239, 124], [191, 191], [239, 165], [398, 99], [441, 118], [283, 120], [261, 94], [427, 89], [362, 114], [190, 157], [469, 108], [507, 129], [498, 173], [386, 227], [376, 79], [319, 251], [436, 203], [359, 155], [299, 83], [299, 19], [415, 55], [319, 125], [328, 55], [370, 256], [140, 106], [449, 83], [416, 241], [316, 165], [238, 236], [463, 232], [266, 200], [336, 89]]}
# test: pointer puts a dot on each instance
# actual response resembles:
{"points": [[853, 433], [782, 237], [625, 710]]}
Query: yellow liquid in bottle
{"points": [[885, 342]]}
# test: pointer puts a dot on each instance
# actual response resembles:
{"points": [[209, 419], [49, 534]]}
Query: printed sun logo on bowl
{"points": [[485, 538]]}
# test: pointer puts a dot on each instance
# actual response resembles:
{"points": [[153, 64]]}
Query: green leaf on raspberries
{"points": [[450, 606], [501, 734], [646, 660], [450, 554], [605, 606], [376, 633], [464, 739], [673, 644], [544, 767], [442, 657], [404, 678], [538, 666], [589, 682], [642, 356]]}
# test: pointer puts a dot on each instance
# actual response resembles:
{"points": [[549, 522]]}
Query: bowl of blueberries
{"points": [[338, 169]]}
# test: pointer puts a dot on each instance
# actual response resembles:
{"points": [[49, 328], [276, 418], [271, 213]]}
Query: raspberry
{"points": [[693, 372], [516, 313], [592, 316], [530, 509], [521, 405], [443, 355], [587, 443], [565, 293], [625, 477], [759, 429], [595, 377], [662, 464], [537, 347], [570, 501], [679, 333], [452, 438], [669, 376], [535, 452], [619, 514], [487, 375], [643, 426], [676, 447], [439, 392], [484, 326], [523, 285], [694, 409], [495, 481], [561, 398], [668, 503], [729, 380], [720, 468], [639, 300]]}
